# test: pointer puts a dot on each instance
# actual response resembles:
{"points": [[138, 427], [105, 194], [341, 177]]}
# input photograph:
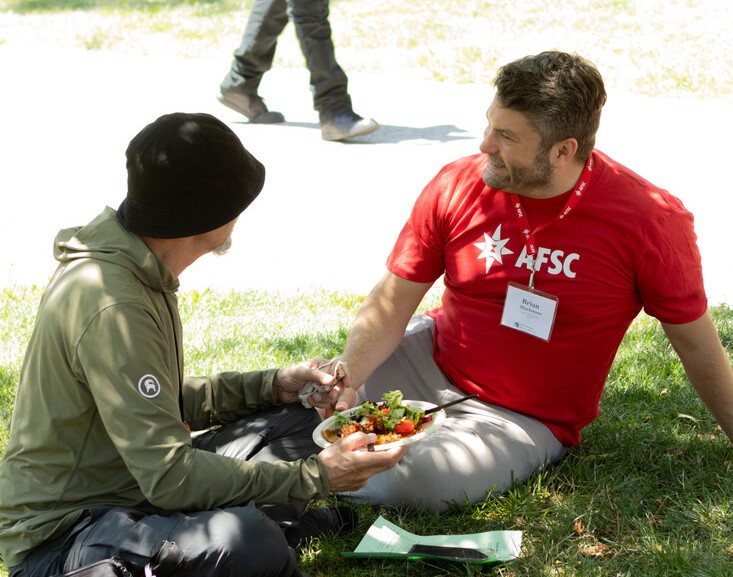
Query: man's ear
{"points": [[563, 152]]}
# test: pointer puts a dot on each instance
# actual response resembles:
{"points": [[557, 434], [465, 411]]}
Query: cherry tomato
{"points": [[404, 427]]}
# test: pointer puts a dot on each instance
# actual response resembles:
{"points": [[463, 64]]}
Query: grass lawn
{"points": [[649, 491], [670, 48]]}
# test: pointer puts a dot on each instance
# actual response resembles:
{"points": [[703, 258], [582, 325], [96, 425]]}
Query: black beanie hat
{"points": [[187, 174]]}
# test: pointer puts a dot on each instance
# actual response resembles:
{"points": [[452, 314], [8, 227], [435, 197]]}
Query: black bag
{"points": [[113, 567], [165, 562]]}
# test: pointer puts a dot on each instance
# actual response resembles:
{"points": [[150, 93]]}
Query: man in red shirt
{"points": [[549, 250]]}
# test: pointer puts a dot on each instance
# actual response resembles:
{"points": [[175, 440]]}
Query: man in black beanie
{"points": [[101, 461], [187, 174]]}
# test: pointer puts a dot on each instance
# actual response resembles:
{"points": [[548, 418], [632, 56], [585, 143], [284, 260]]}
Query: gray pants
{"points": [[480, 449], [256, 52], [237, 541]]}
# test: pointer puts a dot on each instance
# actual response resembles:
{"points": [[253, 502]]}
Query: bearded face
{"points": [[516, 176], [518, 160], [224, 247]]}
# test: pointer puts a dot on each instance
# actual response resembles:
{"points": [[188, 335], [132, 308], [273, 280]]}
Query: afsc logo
{"points": [[148, 386], [494, 248], [556, 260]]}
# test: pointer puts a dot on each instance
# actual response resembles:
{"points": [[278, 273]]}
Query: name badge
{"points": [[529, 311]]}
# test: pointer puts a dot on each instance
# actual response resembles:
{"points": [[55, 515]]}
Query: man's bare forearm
{"points": [[707, 366], [380, 325]]}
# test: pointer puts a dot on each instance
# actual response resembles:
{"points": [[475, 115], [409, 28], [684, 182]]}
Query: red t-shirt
{"points": [[627, 245]]}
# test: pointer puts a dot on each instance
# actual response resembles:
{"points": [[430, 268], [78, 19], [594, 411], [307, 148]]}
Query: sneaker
{"points": [[345, 124], [323, 521], [253, 107]]}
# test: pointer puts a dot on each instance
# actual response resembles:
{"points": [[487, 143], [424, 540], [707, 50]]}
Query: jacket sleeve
{"points": [[134, 384], [226, 397]]}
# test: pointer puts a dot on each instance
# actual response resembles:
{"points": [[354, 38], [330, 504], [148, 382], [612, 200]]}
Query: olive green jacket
{"points": [[101, 403]]}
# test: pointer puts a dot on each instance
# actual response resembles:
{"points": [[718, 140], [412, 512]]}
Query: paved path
{"points": [[329, 212]]}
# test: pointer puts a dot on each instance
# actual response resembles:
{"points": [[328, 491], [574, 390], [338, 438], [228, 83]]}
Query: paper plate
{"points": [[429, 429]]}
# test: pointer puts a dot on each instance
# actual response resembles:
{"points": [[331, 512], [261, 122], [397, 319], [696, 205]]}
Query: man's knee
{"points": [[237, 538], [261, 547]]}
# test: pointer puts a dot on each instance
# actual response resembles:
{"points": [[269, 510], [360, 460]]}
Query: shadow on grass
{"points": [[394, 134], [647, 492]]}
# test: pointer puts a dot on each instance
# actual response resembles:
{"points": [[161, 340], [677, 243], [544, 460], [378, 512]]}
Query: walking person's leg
{"points": [[328, 81], [252, 59]]}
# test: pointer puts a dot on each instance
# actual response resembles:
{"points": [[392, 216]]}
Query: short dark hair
{"points": [[561, 95]]}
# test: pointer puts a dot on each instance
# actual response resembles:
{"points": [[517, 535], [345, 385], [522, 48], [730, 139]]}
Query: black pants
{"points": [[256, 52], [233, 541]]}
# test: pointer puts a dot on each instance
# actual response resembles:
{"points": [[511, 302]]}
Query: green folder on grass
{"points": [[386, 540]]}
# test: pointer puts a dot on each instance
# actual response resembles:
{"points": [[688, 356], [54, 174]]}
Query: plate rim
{"points": [[438, 419]]}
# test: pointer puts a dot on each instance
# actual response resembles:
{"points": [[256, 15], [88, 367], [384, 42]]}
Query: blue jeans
{"points": [[257, 50]]}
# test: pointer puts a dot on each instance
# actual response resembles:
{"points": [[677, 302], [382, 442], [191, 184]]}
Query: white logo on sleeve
{"points": [[148, 386]]}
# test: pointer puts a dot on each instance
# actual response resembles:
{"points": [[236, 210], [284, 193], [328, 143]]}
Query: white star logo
{"points": [[493, 248]]}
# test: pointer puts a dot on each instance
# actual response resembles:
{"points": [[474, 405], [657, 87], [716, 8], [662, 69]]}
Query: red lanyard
{"points": [[528, 235]]}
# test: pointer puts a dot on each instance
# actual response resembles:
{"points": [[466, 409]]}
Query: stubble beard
{"points": [[224, 247], [519, 178]]}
